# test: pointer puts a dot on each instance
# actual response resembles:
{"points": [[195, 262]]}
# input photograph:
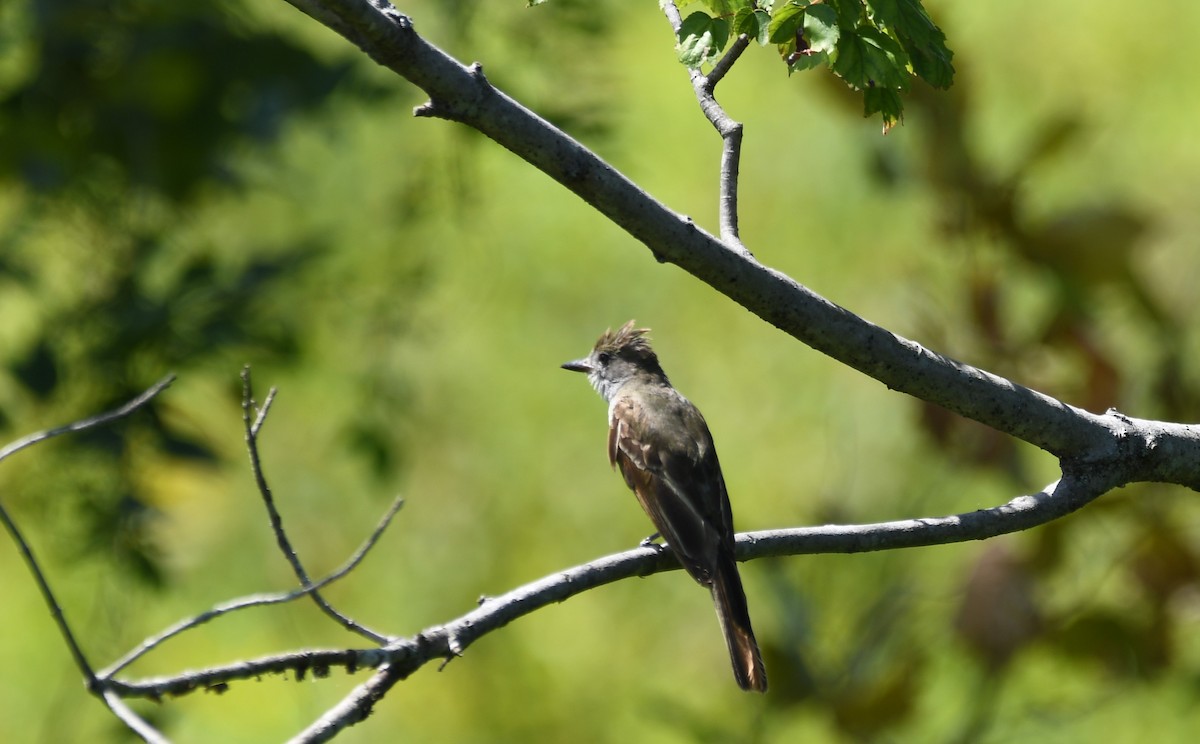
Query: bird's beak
{"points": [[579, 365]]}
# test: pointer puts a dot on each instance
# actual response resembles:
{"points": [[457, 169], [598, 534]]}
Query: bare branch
{"points": [[285, 545], [354, 708], [262, 412], [730, 130], [726, 62], [727, 205], [132, 720], [257, 600], [31, 561], [56, 610], [88, 423], [317, 662], [1057, 499], [402, 657], [52, 601], [1024, 512], [1082, 440]]}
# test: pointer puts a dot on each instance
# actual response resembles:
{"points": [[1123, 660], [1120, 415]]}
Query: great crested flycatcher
{"points": [[663, 448]]}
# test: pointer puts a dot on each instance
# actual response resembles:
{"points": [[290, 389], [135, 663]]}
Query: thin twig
{"points": [[730, 130], [136, 723], [285, 545], [731, 158], [56, 610], [353, 708], [316, 662], [31, 561], [725, 63], [87, 423], [43, 585], [262, 412], [257, 600]]}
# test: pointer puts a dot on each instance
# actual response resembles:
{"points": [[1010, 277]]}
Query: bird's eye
{"points": [[603, 357]]}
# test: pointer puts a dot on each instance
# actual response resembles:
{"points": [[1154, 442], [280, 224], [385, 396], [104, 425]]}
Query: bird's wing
{"points": [[678, 483]]}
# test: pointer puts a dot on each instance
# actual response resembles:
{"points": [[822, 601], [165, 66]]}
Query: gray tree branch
{"points": [[730, 130], [93, 683], [404, 656], [253, 418], [1113, 447]]}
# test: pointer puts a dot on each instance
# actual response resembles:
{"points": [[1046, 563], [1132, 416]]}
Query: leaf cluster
{"points": [[874, 46]]}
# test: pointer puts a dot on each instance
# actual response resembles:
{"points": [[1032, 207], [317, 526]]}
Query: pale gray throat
{"points": [[607, 388]]}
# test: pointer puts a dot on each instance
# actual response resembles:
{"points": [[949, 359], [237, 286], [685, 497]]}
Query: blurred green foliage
{"points": [[192, 188], [119, 119]]}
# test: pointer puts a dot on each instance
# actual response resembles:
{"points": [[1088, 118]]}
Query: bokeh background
{"points": [[191, 187]]}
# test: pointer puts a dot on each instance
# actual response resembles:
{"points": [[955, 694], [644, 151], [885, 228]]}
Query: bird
{"points": [[661, 444]]}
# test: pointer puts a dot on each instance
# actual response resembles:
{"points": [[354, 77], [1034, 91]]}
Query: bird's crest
{"points": [[627, 338], [632, 345]]}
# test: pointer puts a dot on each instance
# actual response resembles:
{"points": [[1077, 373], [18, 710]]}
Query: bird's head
{"points": [[619, 357]]}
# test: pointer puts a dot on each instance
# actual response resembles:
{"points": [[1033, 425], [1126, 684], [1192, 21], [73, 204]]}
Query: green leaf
{"points": [[906, 18], [887, 103], [850, 13], [919, 35], [868, 58], [727, 8], [821, 28], [753, 23], [701, 39], [800, 62], [785, 22]]}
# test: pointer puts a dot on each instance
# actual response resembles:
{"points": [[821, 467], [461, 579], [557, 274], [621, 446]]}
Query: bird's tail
{"points": [[730, 601]]}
